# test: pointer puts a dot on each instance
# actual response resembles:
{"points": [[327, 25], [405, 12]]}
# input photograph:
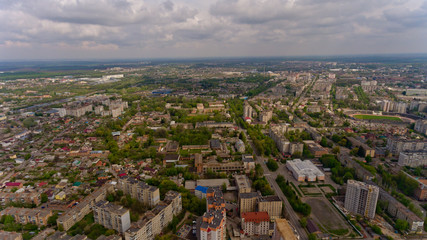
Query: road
{"points": [[289, 212], [271, 178]]}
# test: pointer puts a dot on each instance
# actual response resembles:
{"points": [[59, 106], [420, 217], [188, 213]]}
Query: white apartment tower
{"points": [[361, 198]]}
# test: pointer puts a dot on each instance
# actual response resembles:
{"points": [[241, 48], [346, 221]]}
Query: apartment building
{"points": [[283, 144], [413, 158], [361, 198], [212, 225], [222, 167], [23, 197], [69, 218], [78, 110], [399, 211], [10, 235], [28, 215], [255, 223], [421, 126], [145, 193], [111, 216], [367, 151], [396, 145], [153, 222], [270, 204], [243, 184], [248, 201]]}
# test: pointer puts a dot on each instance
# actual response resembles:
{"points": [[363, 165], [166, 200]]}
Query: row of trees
{"points": [[340, 174], [292, 197]]}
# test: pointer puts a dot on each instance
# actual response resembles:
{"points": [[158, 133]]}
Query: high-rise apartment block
{"points": [[153, 222], [361, 198], [111, 216], [145, 193], [212, 225]]}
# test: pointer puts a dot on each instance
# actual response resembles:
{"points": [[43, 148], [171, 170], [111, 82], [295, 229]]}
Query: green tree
{"points": [[272, 165], [44, 197], [401, 225], [29, 122]]}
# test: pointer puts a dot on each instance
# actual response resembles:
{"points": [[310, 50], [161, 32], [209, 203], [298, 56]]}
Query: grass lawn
{"points": [[377, 117]]}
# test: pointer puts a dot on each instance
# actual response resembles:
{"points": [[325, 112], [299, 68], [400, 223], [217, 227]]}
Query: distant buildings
{"points": [[421, 126], [361, 198], [265, 116], [396, 145], [248, 111], [111, 216], [304, 170], [413, 158], [391, 106], [369, 86]]}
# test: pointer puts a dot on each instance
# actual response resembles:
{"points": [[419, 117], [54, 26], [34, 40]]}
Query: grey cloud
{"points": [[215, 27]]}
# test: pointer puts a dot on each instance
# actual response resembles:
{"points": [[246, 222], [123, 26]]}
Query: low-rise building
{"points": [[255, 223], [305, 170], [111, 216], [243, 184], [283, 230]]}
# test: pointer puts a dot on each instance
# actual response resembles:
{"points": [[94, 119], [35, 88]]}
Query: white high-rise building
{"points": [[361, 198]]}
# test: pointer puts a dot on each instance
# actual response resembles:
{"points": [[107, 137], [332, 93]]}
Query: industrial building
{"points": [[305, 170]]}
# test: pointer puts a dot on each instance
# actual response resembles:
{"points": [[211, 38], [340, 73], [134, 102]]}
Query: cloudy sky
{"points": [[82, 29]]}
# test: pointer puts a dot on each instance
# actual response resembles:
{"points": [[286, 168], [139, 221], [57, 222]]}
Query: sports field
{"points": [[377, 117]]}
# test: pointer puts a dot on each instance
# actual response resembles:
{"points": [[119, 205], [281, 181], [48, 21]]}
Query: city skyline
{"points": [[191, 29]]}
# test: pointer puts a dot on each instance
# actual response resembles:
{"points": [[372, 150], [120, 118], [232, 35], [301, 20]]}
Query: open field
{"points": [[376, 117], [327, 217], [313, 190]]}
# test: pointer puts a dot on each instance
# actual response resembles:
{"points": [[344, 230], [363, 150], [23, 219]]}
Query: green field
{"points": [[377, 117]]}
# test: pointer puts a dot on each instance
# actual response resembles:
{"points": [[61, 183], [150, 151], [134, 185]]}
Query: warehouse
{"points": [[304, 170]]}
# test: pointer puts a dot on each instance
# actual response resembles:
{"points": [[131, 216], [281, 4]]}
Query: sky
{"points": [[106, 29]]}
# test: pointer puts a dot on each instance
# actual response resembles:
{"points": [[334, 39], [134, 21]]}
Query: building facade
{"points": [[145, 193], [255, 223], [111, 216], [361, 198]]}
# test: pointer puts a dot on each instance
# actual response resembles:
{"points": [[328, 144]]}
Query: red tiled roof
{"points": [[13, 184], [256, 217]]}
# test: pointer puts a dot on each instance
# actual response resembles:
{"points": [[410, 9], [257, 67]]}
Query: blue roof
{"points": [[201, 189]]}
